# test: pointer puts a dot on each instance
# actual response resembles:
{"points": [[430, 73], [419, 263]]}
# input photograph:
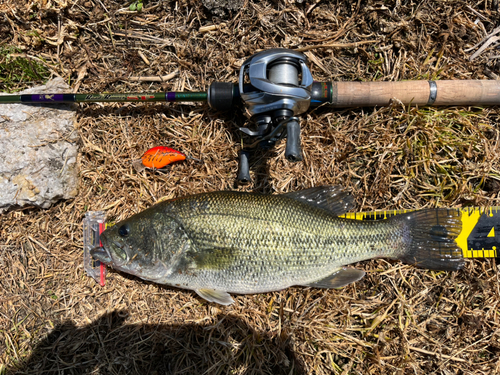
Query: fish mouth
{"points": [[101, 254]]}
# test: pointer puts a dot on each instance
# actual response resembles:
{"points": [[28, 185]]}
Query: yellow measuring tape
{"points": [[480, 235]]}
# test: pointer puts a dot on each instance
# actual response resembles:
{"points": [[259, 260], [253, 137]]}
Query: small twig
{"points": [[423, 351], [45, 248], [477, 13], [136, 35], [114, 204], [205, 29], [143, 57], [309, 10], [494, 32], [337, 45], [111, 35], [355, 340], [489, 42], [154, 78], [60, 38], [100, 2], [82, 71], [474, 343]]}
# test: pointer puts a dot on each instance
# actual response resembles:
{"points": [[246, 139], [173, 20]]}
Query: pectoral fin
{"points": [[212, 295], [338, 279]]}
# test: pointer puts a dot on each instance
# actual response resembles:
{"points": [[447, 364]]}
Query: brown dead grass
{"points": [[398, 319]]}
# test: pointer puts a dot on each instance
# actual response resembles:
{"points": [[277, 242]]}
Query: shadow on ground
{"points": [[109, 346]]}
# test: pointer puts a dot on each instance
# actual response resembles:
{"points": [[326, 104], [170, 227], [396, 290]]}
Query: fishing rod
{"points": [[276, 86]]}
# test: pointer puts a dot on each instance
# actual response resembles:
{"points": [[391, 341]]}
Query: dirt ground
{"points": [[397, 320]]}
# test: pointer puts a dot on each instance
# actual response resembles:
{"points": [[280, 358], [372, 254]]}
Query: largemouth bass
{"points": [[234, 242]]}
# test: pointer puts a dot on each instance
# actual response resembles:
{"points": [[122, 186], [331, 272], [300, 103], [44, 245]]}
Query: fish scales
{"points": [[305, 244], [248, 243]]}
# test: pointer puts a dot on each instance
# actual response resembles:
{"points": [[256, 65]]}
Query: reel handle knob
{"points": [[293, 151], [244, 168]]}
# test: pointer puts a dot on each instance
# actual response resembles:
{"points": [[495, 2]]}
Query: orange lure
{"points": [[159, 157]]}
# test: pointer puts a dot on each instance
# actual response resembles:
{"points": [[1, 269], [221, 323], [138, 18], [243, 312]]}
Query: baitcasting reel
{"points": [[275, 86]]}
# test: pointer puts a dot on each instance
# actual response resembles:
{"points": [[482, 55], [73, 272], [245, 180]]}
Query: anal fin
{"points": [[338, 279], [212, 295]]}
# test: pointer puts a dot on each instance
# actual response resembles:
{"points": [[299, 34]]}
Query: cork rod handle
{"points": [[436, 93]]}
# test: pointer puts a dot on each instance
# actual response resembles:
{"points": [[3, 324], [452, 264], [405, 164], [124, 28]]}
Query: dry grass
{"points": [[397, 320]]}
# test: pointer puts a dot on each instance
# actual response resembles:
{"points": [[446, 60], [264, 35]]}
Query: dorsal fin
{"points": [[330, 198]]}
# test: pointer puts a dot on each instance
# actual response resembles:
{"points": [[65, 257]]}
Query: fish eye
{"points": [[124, 230]]}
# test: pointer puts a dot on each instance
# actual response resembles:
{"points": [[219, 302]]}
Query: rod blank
{"points": [[116, 97]]}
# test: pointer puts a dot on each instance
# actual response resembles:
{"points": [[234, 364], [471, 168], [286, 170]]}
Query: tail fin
{"points": [[432, 239]]}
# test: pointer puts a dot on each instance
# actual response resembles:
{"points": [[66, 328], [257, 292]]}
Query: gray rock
{"points": [[219, 7], [38, 151]]}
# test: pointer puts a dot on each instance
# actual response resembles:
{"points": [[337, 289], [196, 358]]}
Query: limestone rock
{"points": [[38, 151]]}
